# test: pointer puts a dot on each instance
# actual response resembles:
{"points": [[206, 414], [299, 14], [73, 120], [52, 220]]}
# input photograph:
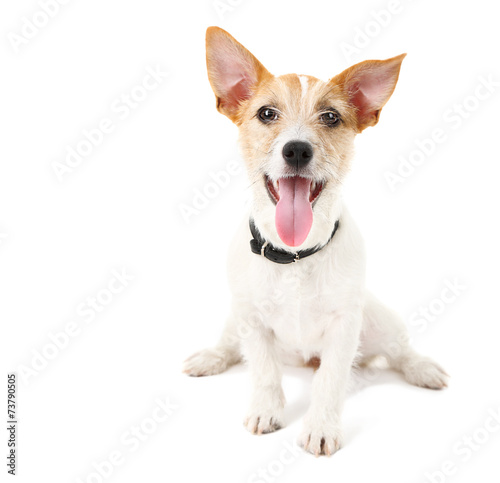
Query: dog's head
{"points": [[296, 134]]}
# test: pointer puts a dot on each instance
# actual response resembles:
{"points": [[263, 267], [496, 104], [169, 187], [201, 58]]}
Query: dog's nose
{"points": [[297, 153]]}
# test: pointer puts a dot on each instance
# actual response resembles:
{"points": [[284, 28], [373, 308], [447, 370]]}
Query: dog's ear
{"points": [[368, 86], [233, 71]]}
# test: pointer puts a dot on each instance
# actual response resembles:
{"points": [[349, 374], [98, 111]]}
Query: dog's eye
{"points": [[330, 118], [266, 114]]}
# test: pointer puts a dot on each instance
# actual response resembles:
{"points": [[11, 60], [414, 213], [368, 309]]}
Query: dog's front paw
{"points": [[320, 438], [262, 422], [266, 410]]}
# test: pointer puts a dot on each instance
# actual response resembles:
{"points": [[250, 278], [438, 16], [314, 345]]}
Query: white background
{"points": [[120, 209]]}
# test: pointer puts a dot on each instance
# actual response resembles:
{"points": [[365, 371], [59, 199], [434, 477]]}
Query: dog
{"points": [[297, 263]]}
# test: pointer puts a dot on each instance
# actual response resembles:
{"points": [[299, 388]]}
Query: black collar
{"points": [[262, 247]]}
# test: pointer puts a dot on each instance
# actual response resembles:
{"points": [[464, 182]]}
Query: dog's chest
{"points": [[297, 302]]}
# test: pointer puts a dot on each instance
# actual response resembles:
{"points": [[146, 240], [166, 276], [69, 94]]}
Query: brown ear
{"points": [[232, 70], [368, 86]]}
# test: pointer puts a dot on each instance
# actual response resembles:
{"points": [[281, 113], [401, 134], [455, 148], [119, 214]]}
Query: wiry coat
{"points": [[316, 310]]}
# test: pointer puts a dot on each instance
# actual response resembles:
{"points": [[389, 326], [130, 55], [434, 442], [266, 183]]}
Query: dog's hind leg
{"points": [[215, 360], [385, 334]]}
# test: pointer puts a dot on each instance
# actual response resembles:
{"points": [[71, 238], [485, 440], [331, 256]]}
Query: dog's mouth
{"points": [[294, 198], [273, 187]]}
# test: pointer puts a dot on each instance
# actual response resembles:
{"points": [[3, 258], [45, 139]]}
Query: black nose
{"points": [[297, 153]]}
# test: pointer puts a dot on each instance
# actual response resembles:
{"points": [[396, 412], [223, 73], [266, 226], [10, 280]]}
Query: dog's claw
{"points": [[262, 424], [319, 441]]}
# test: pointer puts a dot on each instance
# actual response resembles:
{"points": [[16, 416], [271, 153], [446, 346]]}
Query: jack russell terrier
{"points": [[297, 263]]}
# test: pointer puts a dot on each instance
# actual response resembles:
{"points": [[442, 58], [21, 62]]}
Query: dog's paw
{"points": [[266, 410], [207, 362], [263, 422], [320, 439], [424, 372]]}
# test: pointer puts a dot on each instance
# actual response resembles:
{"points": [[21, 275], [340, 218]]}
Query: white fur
{"points": [[318, 307], [303, 85]]}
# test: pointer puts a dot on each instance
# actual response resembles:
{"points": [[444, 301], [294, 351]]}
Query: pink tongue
{"points": [[294, 214]]}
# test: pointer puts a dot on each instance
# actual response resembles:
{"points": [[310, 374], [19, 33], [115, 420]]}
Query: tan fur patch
{"points": [[314, 362], [298, 114], [243, 87]]}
